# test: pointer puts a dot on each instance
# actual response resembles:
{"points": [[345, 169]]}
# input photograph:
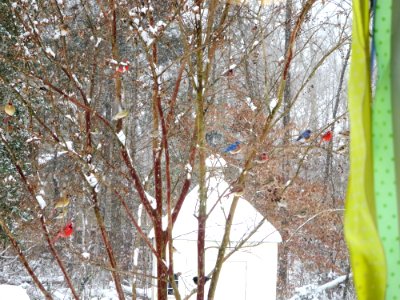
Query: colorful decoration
{"points": [[65, 232], [233, 148], [327, 136], [9, 109], [306, 134], [366, 251], [395, 71], [383, 149], [262, 158], [120, 115]]}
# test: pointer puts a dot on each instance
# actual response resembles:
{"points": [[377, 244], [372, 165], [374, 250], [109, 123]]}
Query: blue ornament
{"points": [[306, 134], [233, 148]]}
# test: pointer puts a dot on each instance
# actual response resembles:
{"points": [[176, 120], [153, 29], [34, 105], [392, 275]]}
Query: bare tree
{"points": [[122, 99]]}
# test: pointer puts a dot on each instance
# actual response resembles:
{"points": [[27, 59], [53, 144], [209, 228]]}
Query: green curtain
{"points": [[395, 88], [383, 148]]}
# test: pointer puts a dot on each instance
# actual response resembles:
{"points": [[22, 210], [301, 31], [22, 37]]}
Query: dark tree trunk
{"points": [[328, 165], [287, 96]]}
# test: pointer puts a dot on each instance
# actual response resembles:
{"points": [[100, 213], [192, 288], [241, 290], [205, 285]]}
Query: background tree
{"points": [[121, 100]]}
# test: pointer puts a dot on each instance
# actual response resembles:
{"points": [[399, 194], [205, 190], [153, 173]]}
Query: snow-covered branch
{"points": [[311, 291]]}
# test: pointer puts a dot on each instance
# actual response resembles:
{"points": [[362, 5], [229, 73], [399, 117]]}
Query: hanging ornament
{"points": [[122, 114], [9, 109]]}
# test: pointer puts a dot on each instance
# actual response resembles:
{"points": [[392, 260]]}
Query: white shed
{"points": [[250, 272]]}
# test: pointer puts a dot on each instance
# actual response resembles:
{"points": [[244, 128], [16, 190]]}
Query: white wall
{"points": [[249, 274]]}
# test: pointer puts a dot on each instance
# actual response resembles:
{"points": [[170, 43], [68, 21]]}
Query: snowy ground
{"points": [[13, 292]]}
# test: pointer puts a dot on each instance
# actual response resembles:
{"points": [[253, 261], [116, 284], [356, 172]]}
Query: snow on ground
{"points": [[13, 292]]}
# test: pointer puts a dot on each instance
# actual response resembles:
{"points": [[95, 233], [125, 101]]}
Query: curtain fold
{"points": [[366, 251], [383, 148]]}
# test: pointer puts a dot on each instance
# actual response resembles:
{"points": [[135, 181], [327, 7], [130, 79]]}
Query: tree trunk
{"points": [[284, 251], [202, 171], [328, 165], [283, 263], [286, 98], [162, 270]]}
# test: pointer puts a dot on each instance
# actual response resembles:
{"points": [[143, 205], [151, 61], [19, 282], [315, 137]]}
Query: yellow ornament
{"points": [[9, 109], [62, 214], [122, 114], [62, 202]]}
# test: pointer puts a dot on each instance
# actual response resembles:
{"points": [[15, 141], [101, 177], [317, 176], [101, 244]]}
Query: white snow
{"points": [[145, 36], [27, 52], [50, 51], [98, 42], [250, 104], [76, 80], [273, 103], [161, 24], [188, 168], [32, 139], [85, 255], [46, 157], [153, 30], [135, 256], [178, 117], [139, 214], [69, 145], [9, 292], [41, 202], [282, 204], [91, 179], [9, 178], [133, 12], [69, 117], [158, 69], [312, 291], [121, 136]]}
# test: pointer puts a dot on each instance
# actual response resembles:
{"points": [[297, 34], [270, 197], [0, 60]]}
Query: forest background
{"points": [[108, 102]]}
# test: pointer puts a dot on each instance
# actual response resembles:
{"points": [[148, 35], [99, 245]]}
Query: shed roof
{"points": [[246, 218]]}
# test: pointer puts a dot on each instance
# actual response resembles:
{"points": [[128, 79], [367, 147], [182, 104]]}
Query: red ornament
{"points": [[262, 158], [122, 67], [327, 136], [67, 231]]}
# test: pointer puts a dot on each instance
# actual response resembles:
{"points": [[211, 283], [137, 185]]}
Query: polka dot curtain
{"points": [[372, 204]]}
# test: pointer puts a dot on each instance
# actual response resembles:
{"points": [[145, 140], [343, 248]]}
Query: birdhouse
{"points": [[250, 272]]}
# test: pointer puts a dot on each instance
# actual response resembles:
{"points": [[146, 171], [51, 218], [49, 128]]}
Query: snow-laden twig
{"points": [[310, 219], [310, 291]]}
